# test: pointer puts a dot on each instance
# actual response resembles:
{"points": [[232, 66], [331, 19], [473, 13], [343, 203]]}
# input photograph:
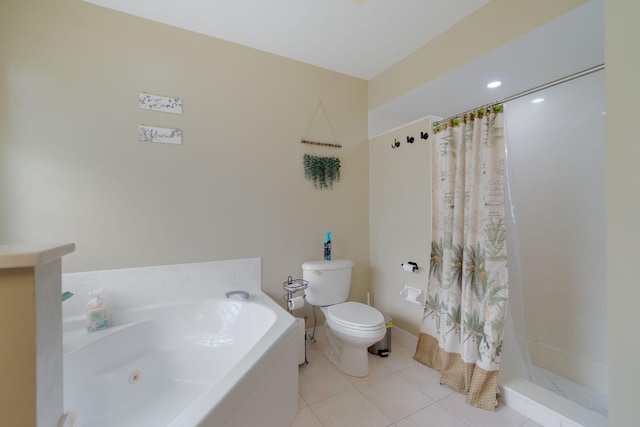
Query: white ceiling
{"points": [[568, 44], [357, 38], [362, 39]]}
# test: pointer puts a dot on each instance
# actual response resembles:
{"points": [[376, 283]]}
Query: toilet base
{"points": [[351, 359]]}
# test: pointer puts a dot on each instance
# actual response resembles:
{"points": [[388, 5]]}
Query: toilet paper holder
{"points": [[292, 286], [412, 294], [410, 266]]}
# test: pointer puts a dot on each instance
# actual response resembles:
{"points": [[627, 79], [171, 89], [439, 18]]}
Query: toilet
{"points": [[351, 326]]}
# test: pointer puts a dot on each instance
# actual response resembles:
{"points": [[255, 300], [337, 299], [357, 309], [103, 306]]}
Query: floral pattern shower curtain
{"points": [[462, 327]]}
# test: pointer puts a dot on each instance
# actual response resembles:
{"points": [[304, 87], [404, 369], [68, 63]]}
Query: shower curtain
{"points": [[464, 315]]}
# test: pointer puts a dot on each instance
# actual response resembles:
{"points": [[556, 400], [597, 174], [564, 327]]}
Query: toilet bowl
{"points": [[351, 328]]}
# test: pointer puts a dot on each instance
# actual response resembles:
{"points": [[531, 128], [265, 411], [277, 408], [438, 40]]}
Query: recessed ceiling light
{"points": [[537, 100], [494, 84]]}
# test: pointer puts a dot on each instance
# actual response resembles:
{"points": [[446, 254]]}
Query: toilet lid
{"points": [[355, 315]]}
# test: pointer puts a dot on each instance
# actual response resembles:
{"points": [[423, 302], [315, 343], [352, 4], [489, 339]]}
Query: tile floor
{"points": [[398, 392], [581, 394]]}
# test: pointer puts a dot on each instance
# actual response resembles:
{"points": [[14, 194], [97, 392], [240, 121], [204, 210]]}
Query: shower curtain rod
{"points": [[530, 91]]}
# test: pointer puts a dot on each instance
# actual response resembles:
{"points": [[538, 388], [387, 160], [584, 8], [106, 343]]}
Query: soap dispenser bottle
{"points": [[97, 314], [327, 246]]}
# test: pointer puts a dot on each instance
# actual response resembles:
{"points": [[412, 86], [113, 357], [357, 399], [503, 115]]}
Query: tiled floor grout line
{"points": [[371, 401], [402, 370], [392, 423], [380, 409], [455, 415]]}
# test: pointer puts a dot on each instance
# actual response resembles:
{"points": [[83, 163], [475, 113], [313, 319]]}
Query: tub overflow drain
{"points": [[134, 377]]}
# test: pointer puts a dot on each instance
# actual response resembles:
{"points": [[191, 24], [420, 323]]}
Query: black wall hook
{"points": [[410, 140], [424, 135], [395, 144]]}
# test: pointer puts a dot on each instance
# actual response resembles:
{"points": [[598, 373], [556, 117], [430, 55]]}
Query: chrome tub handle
{"points": [[238, 294]]}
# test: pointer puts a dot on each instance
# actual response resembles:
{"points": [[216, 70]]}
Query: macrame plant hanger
{"points": [[322, 171], [304, 139]]}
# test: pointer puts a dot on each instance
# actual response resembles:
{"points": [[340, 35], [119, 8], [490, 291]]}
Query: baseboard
{"points": [[403, 338], [398, 335]]}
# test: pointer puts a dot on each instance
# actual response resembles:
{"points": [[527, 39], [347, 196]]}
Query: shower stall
{"points": [[556, 198]]}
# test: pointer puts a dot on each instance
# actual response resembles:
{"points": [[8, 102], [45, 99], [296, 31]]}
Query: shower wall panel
{"points": [[557, 177]]}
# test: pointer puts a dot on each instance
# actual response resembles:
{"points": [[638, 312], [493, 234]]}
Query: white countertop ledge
{"points": [[18, 256]]}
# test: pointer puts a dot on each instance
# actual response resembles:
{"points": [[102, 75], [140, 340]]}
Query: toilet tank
{"points": [[329, 281]]}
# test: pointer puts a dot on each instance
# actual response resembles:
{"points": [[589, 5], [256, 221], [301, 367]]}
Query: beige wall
{"points": [[71, 168], [623, 207], [494, 24], [400, 220]]}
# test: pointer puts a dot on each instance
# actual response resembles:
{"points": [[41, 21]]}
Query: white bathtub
{"points": [[210, 362]]}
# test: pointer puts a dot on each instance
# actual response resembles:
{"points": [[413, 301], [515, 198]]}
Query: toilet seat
{"points": [[356, 316]]}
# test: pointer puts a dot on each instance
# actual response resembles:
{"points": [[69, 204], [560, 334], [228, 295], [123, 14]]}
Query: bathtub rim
{"points": [[76, 326]]}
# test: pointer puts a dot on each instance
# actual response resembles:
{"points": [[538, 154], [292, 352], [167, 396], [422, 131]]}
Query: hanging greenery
{"points": [[323, 171]]}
